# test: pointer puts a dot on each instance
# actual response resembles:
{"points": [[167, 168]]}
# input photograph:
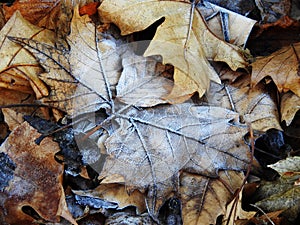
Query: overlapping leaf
{"points": [[187, 50]]}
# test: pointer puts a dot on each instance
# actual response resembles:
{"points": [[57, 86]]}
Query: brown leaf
{"points": [[282, 66], [41, 13], [192, 70], [18, 68], [117, 193], [254, 105], [37, 181], [289, 106], [77, 79], [204, 199]]}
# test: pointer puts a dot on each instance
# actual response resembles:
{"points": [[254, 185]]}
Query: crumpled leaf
{"points": [[140, 84], [76, 77], [37, 180], [204, 199], [282, 66], [117, 193], [17, 63], [254, 105], [192, 70], [289, 106], [153, 144]]}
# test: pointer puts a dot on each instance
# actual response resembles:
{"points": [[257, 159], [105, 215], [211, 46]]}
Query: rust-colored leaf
{"points": [[37, 180]]}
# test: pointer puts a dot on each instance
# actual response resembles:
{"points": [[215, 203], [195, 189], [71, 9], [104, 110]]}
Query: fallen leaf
{"points": [[37, 180], [289, 106], [254, 105], [282, 66], [290, 164], [140, 84], [76, 77], [192, 70], [89, 9], [117, 193], [19, 64], [150, 146], [204, 199], [37, 12], [124, 218], [239, 26]]}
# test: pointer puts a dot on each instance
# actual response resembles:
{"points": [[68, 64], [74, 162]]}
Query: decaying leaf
{"points": [[77, 78], [254, 105], [289, 106], [188, 53], [282, 66], [284, 194], [37, 179], [16, 63], [204, 199], [117, 193]]}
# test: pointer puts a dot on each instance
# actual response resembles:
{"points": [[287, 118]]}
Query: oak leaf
{"points": [[189, 54], [282, 66], [37, 180]]}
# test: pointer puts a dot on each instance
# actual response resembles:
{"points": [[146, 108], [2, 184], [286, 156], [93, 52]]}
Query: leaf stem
{"points": [[104, 75]]}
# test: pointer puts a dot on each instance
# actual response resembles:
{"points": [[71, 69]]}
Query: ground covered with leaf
{"points": [[149, 112]]}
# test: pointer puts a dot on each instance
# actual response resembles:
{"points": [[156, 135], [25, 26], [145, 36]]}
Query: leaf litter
{"points": [[149, 145]]}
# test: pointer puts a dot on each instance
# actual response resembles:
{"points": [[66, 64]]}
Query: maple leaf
{"points": [[289, 106], [37, 180], [76, 78], [282, 66], [255, 106], [188, 53], [18, 64]]}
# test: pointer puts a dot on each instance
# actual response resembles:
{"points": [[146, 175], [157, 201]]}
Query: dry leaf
{"points": [[77, 78], [290, 164], [289, 106], [282, 66], [37, 180], [140, 84], [204, 199], [17, 63], [192, 70], [117, 193], [239, 27], [254, 105], [152, 145]]}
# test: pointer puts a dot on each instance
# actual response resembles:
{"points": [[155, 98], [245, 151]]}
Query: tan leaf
{"points": [[282, 66], [17, 66], [140, 84], [254, 105], [117, 193], [192, 69], [78, 78], [204, 199], [289, 106], [239, 27], [290, 164], [37, 180]]}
